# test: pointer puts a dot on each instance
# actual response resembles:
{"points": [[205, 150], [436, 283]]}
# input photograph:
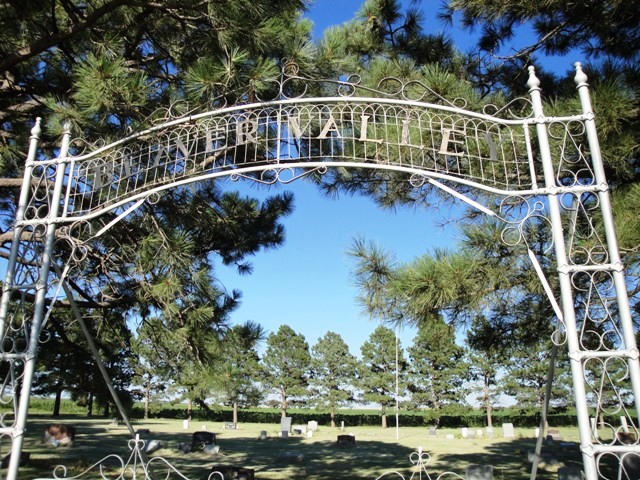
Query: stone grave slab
{"points": [[569, 473], [479, 472], [508, 431]]}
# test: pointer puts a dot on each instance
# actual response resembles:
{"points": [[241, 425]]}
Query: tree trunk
{"points": [[283, 403], [384, 417], [90, 405], [488, 405], [189, 409], [147, 398], [57, 402], [333, 419], [235, 414]]}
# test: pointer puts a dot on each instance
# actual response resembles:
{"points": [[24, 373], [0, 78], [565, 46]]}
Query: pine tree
{"points": [[286, 366], [382, 371], [237, 369], [438, 368], [333, 377]]}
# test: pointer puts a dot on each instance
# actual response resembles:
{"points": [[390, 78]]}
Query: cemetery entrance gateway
{"points": [[540, 169]]}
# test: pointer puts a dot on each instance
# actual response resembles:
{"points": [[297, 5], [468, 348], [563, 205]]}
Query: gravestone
{"points": [[464, 432], [152, 446], [553, 435], [233, 472], [300, 429], [508, 430], [489, 432], [312, 425], [624, 424], [263, 435], [433, 432], [59, 434], [479, 472], [569, 473], [285, 425], [348, 440], [200, 440]]}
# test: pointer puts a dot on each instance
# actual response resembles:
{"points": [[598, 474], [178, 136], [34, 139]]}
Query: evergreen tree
{"points": [[286, 366], [382, 372], [485, 361], [69, 366], [333, 376], [238, 367], [438, 368], [152, 369], [526, 376]]}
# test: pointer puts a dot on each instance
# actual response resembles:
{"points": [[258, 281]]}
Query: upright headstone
{"points": [[624, 425], [312, 425], [185, 424], [553, 435], [464, 431], [490, 432], [479, 472], [569, 473], [508, 430], [433, 432], [285, 426]]}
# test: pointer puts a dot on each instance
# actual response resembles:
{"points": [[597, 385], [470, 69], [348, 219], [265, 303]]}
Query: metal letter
{"points": [[245, 132], [330, 126], [364, 122], [448, 136]]}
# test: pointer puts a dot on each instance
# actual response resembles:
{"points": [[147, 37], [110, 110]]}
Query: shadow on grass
{"points": [[511, 458], [296, 457]]}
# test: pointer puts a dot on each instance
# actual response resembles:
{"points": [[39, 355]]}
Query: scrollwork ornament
{"points": [[417, 180], [532, 214]]}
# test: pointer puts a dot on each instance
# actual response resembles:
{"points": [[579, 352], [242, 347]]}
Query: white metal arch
{"points": [[550, 167]]}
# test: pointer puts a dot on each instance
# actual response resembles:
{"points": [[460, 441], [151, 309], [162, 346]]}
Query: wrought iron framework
{"points": [[521, 167]]}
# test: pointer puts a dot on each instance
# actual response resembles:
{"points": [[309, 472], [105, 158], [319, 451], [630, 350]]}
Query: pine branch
{"points": [[45, 43]]}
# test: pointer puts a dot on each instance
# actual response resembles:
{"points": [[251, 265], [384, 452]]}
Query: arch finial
{"points": [[581, 77], [37, 129], [534, 81]]}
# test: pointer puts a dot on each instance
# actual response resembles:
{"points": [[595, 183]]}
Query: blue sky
{"points": [[307, 283]]}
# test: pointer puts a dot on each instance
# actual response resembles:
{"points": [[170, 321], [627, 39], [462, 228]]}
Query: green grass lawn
{"points": [[319, 457]]}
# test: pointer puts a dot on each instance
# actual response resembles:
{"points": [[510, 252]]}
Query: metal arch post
{"points": [[610, 234], [566, 292], [38, 314], [22, 205]]}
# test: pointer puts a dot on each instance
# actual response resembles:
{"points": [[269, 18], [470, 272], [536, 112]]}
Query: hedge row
{"points": [[457, 419], [359, 418]]}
